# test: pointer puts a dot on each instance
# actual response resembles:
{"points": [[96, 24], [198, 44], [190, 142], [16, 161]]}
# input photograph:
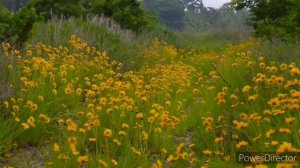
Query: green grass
{"points": [[278, 51]]}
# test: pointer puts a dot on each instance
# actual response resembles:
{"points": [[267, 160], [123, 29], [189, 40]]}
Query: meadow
{"points": [[76, 97]]}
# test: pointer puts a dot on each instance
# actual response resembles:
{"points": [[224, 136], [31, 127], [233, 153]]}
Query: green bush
{"points": [[5, 22], [15, 28], [273, 19]]}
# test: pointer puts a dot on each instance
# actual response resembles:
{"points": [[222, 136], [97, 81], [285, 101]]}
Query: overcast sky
{"points": [[215, 3]]}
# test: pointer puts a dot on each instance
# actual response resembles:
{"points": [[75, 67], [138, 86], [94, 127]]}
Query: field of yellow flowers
{"points": [[181, 109]]}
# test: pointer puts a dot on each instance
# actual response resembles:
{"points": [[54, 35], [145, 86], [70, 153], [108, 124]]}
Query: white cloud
{"points": [[214, 3]]}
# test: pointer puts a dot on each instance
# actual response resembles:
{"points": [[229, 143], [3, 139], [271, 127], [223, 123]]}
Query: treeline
{"points": [[193, 16], [270, 19], [180, 15], [273, 19]]}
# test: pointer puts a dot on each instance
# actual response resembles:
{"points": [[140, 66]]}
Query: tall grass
{"points": [[7, 124], [101, 32], [58, 31], [278, 51], [215, 40]]}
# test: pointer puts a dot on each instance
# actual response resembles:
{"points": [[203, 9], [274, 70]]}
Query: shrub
{"points": [[15, 28]]}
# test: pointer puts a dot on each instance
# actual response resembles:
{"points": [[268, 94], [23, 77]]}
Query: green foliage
{"points": [[169, 12], [279, 51], [193, 16], [273, 19], [23, 21], [206, 19], [67, 8], [128, 13], [5, 22], [15, 28]]}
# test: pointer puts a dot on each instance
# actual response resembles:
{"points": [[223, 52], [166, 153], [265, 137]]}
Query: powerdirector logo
{"points": [[267, 158]]}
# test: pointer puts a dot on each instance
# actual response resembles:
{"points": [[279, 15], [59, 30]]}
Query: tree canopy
{"points": [[273, 19], [170, 12], [193, 16]]}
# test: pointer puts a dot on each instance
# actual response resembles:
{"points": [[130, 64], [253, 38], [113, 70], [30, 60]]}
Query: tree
{"points": [[273, 19], [15, 28], [5, 22], [170, 12], [130, 14], [47, 8]]}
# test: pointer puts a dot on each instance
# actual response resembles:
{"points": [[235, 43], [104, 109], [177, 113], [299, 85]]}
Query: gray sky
{"points": [[214, 3]]}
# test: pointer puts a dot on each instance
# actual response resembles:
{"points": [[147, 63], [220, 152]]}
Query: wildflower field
{"points": [[181, 108]]}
